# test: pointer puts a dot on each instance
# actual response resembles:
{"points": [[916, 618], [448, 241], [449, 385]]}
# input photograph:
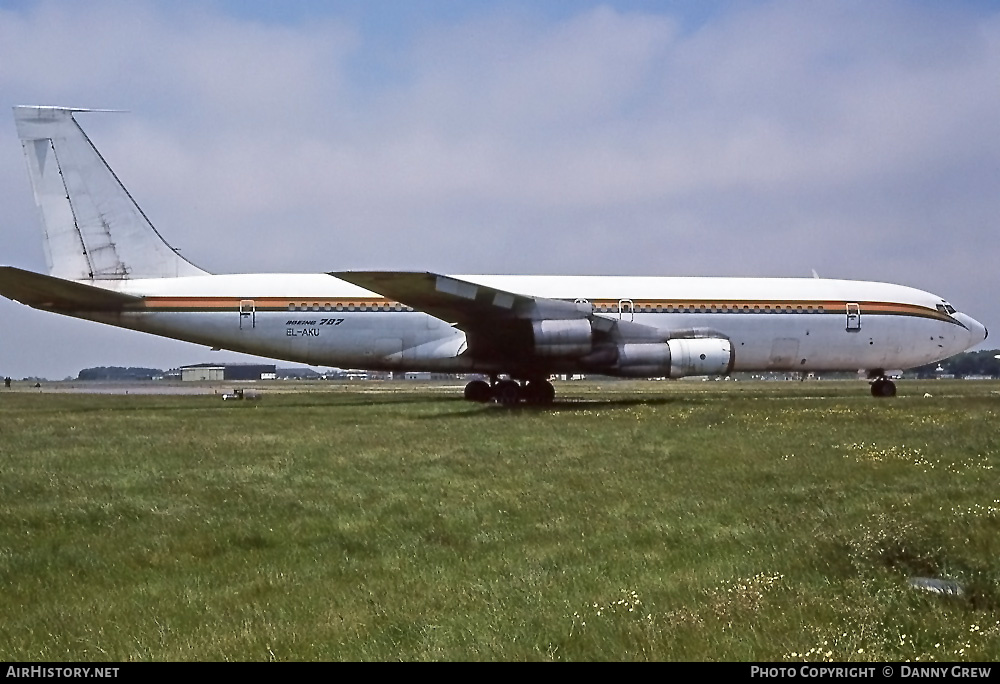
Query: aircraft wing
{"points": [[47, 292], [468, 306], [498, 324]]}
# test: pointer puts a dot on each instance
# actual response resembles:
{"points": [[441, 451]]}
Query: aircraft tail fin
{"points": [[92, 228]]}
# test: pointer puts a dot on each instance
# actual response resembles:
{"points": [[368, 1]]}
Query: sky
{"points": [[857, 139]]}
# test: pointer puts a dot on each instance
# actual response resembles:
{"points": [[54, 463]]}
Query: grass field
{"points": [[629, 521]]}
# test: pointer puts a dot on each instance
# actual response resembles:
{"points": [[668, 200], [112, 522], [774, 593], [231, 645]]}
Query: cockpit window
{"points": [[946, 308]]}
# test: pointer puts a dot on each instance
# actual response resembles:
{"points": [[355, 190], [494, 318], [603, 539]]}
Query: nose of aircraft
{"points": [[977, 331]]}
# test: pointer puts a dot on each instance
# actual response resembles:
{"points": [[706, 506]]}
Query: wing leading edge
{"points": [[468, 306]]}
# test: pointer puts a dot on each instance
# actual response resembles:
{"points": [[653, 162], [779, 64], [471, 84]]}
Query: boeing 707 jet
{"points": [[107, 263]]}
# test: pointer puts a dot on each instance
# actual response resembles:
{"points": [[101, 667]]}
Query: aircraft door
{"points": [[626, 309], [248, 314], [853, 317]]}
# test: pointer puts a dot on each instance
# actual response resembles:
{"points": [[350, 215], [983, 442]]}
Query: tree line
{"points": [[983, 362], [119, 373]]}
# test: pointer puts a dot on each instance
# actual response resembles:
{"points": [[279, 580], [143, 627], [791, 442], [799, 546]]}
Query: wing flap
{"points": [[48, 292]]}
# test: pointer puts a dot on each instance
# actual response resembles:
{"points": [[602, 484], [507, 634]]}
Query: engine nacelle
{"points": [[563, 338], [676, 358]]}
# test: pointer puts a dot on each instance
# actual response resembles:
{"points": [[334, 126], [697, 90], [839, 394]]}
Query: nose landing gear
{"points": [[883, 387]]}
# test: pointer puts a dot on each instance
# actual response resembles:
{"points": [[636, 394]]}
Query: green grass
{"points": [[646, 521]]}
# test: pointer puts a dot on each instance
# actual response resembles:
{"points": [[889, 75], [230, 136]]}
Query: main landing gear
{"points": [[537, 392]]}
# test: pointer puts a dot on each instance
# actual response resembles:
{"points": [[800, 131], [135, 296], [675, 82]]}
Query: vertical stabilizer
{"points": [[92, 228]]}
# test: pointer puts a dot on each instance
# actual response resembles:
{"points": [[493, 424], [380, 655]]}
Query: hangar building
{"points": [[231, 371]]}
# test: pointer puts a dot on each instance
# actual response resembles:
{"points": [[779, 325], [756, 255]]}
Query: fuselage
{"points": [[778, 324]]}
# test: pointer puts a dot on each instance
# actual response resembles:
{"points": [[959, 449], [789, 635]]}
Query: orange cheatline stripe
{"points": [[275, 302], [603, 305], [258, 303]]}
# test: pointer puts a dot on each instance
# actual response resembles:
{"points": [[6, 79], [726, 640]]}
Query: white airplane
{"points": [[108, 264]]}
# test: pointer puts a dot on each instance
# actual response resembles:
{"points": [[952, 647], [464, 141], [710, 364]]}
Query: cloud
{"points": [[767, 139]]}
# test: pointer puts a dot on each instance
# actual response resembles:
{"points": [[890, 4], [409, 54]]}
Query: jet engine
{"points": [[675, 358], [562, 338]]}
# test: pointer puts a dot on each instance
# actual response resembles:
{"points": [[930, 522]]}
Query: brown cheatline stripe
{"points": [[709, 306]]}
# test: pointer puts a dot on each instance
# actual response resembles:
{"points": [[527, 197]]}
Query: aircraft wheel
{"points": [[507, 393], [539, 392], [478, 390], [883, 387]]}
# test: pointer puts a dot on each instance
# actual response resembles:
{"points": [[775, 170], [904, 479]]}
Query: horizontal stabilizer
{"points": [[47, 292]]}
